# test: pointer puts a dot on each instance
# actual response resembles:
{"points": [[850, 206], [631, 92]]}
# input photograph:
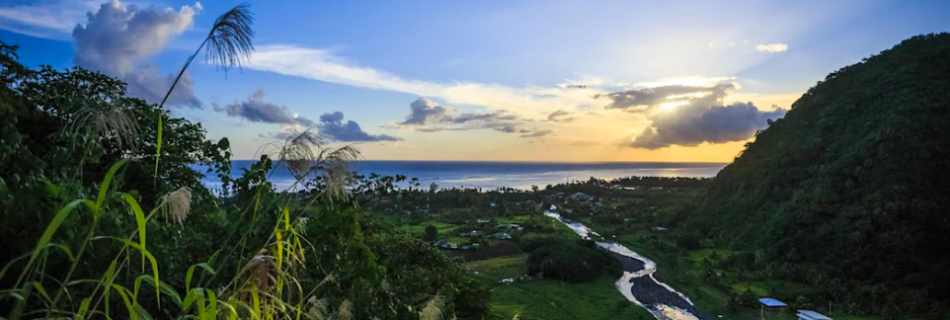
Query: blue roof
{"points": [[769, 302], [811, 315]]}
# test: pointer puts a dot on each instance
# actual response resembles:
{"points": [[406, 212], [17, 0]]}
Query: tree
{"points": [[430, 234], [851, 183]]}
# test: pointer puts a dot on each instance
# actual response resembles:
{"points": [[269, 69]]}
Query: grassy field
{"points": [[420, 228], [553, 300], [513, 219], [493, 270], [549, 299]]}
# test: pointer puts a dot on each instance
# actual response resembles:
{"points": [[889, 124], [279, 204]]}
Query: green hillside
{"points": [[850, 191]]}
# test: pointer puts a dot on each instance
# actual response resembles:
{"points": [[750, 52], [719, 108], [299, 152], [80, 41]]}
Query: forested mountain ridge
{"points": [[850, 191]]}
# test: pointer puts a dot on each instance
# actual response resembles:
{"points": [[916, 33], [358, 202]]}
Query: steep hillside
{"points": [[850, 191]]}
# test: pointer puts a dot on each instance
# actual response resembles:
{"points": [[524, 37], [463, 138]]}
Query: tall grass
{"points": [[268, 285], [229, 44]]}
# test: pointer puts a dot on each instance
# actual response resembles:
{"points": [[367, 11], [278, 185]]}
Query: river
{"points": [[639, 282]]}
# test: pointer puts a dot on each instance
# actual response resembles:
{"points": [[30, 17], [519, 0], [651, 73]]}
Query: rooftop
{"points": [[769, 302], [811, 315]]}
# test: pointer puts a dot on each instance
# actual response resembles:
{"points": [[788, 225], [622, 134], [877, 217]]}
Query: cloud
{"points": [[255, 109], [425, 111], [324, 65], [702, 119], [332, 126], [281, 135], [426, 116], [643, 99], [689, 113], [538, 133], [52, 19], [484, 117], [511, 129], [560, 116], [118, 39], [775, 47]]}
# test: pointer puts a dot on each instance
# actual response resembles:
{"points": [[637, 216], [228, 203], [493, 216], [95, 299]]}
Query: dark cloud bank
{"points": [[255, 109], [426, 116], [330, 125], [696, 120]]}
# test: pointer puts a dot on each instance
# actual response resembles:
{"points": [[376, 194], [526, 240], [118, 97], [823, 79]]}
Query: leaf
{"points": [[164, 287], [158, 146], [110, 276], [108, 181], [232, 315], [280, 249], [21, 303], [189, 299], [128, 304], [212, 304], [191, 271], [256, 299], [139, 220], [150, 258], [83, 307], [54, 189], [224, 143], [142, 314], [51, 229], [39, 287], [65, 250]]}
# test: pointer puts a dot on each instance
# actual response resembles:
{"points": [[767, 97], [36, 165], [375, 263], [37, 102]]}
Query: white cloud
{"points": [[775, 47], [323, 65], [46, 18], [686, 81], [118, 39]]}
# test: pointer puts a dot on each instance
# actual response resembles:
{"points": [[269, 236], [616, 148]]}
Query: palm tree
{"points": [[229, 44]]}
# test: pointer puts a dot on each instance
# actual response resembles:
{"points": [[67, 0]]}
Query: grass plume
{"points": [[177, 205]]}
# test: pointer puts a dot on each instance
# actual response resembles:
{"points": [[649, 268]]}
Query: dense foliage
{"points": [[79, 192], [568, 260], [848, 193]]}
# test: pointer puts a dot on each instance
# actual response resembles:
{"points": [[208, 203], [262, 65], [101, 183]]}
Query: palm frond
{"points": [[230, 41]]}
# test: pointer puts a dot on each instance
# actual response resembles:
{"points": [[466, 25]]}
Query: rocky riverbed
{"points": [[639, 283]]}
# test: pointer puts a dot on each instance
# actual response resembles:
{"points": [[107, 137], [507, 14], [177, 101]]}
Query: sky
{"points": [[563, 81]]}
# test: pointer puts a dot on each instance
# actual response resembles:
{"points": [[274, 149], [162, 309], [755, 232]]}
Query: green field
{"points": [[513, 219], [493, 270], [550, 299], [554, 300], [444, 228]]}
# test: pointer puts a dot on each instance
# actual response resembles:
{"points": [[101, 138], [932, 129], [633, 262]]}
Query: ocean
{"points": [[492, 175]]}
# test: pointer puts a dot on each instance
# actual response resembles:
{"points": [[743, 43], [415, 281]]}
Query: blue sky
{"points": [[514, 63]]}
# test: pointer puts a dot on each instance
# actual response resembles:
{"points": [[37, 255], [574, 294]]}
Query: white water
{"points": [[660, 311]]}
